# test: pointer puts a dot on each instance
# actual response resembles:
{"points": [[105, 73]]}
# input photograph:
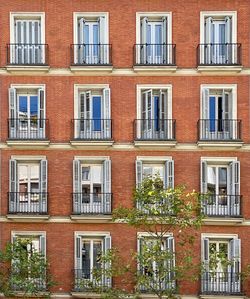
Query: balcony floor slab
{"points": [[27, 217]]}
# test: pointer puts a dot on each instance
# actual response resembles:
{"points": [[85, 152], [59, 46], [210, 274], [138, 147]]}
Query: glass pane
{"points": [[147, 171], [34, 181], [23, 181], [86, 259], [85, 173], [97, 252], [96, 39], [211, 179], [33, 107], [23, 107], [223, 185]]}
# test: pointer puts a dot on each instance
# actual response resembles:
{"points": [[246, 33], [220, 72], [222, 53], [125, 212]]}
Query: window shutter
{"points": [[163, 105], [41, 115], [43, 185], [171, 248], [167, 50], [81, 31], [203, 177], [138, 170], [205, 103], [235, 255], [76, 176], [12, 111], [140, 240], [42, 245], [169, 174], [228, 30], [78, 253], [13, 184], [143, 53], [107, 176], [206, 253], [79, 50], [102, 30], [104, 50], [107, 265], [106, 113], [207, 48], [235, 177]]}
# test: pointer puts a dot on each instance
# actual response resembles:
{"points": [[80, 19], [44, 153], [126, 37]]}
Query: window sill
{"points": [[155, 68], [232, 296], [91, 68], [92, 143], [220, 68], [27, 143], [220, 144], [30, 295], [27, 68], [85, 295], [87, 218], [222, 220], [155, 143], [27, 217]]}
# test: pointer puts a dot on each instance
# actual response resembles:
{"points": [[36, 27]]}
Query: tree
{"points": [[24, 270], [166, 218]]}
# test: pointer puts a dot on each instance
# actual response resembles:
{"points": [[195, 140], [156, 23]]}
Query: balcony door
{"points": [[154, 123], [27, 48], [218, 41], [28, 186], [92, 188]]}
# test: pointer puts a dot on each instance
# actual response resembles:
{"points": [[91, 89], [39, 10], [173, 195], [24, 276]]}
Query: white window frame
{"points": [[141, 87], [218, 14], [140, 15], [30, 234], [28, 15], [233, 87], [77, 15]]}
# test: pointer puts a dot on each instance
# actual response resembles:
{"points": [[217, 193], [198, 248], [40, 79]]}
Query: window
{"points": [[154, 114], [149, 268], [38, 241], [88, 254], [220, 182], [27, 113], [92, 186], [91, 39], [219, 114], [27, 39], [154, 39], [221, 258], [92, 115], [219, 38], [28, 186]]}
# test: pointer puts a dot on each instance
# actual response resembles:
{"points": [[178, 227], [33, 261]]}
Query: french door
{"points": [[28, 197], [219, 48], [154, 37]]}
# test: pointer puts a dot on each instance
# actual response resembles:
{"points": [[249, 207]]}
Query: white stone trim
{"points": [[219, 159], [92, 158], [225, 13], [154, 158], [218, 236], [153, 235], [153, 14], [28, 158]]}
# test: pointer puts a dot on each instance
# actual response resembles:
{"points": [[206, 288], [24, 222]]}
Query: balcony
{"points": [[219, 131], [92, 131], [92, 203], [83, 281], [155, 131], [221, 283], [214, 205], [27, 56], [28, 203], [155, 209], [85, 56], [219, 56], [155, 57]]}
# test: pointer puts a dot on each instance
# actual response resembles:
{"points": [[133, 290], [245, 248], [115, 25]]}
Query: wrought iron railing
{"points": [[224, 283], [92, 203], [92, 129], [28, 128], [154, 129], [84, 282], [91, 54], [27, 54], [155, 54], [219, 129], [221, 205], [28, 202], [219, 54]]}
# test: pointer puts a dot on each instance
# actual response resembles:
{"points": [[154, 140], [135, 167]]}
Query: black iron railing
{"points": [[92, 203], [28, 202], [155, 54], [221, 205], [154, 281], [219, 129], [92, 129], [83, 281], [91, 54], [219, 54], [224, 283], [28, 128], [27, 54], [154, 129]]}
